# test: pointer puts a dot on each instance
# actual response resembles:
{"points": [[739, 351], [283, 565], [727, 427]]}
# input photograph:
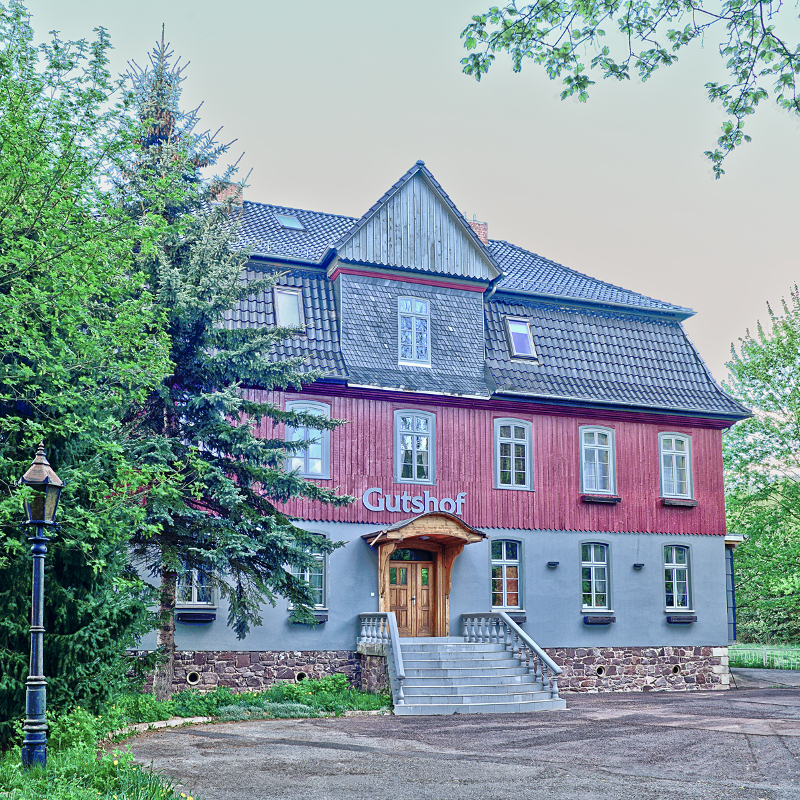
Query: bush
{"points": [[80, 774]]}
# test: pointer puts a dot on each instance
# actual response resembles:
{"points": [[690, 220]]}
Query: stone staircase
{"points": [[450, 676]]}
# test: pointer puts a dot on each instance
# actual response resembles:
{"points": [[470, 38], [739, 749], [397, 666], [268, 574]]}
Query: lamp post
{"points": [[40, 511]]}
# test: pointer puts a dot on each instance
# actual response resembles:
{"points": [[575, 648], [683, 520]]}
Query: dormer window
{"points": [[413, 328], [288, 307], [290, 222], [520, 339]]}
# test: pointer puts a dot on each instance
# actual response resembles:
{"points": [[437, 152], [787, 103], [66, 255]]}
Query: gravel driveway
{"points": [[707, 745]]}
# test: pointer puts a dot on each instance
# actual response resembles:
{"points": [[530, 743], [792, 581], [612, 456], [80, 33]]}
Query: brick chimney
{"points": [[230, 192], [481, 228]]}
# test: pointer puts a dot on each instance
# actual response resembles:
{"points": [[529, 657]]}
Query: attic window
{"points": [[288, 307], [520, 339], [290, 222]]}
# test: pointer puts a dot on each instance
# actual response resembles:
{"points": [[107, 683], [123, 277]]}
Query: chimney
{"points": [[230, 193], [481, 228]]}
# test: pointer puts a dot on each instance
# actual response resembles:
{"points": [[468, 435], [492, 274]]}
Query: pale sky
{"points": [[331, 102]]}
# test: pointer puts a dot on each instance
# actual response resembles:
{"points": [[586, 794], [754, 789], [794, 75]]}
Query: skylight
{"points": [[520, 338], [290, 221]]}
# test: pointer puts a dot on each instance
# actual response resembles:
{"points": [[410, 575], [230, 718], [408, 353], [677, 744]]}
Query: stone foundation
{"points": [[585, 669], [641, 669], [251, 670]]}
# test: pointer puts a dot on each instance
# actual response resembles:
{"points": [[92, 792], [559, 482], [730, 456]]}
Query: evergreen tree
{"points": [[762, 461], [212, 507], [79, 342]]}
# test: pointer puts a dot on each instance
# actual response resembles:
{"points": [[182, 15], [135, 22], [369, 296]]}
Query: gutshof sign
{"points": [[374, 499]]}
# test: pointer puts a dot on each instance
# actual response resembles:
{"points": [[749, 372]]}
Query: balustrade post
{"points": [[554, 693]]}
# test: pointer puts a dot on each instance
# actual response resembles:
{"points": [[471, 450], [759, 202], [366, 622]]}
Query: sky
{"points": [[331, 102]]}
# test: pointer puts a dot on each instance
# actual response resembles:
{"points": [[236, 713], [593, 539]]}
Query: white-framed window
{"points": [[315, 577], [520, 338], [194, 588], [595, 584], [414, 331], [597, 460], [676, 465], [314, 461], [288, 303], [506, 582], [415, 446], [677, 584], [512, 454]]}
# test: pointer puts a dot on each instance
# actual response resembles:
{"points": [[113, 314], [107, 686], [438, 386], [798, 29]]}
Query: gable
{"points": [[416, 226]]}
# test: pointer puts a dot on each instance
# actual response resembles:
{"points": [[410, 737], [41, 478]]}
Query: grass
{"points": [[309, 698], [766, 656], [80, 773], [77, 771]]}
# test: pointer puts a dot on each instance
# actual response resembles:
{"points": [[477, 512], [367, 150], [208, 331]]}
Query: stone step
{"points": [[464, 672], [440, 689], [454, 647], [426, 709], [460, 663], [488, 678], [457, 655], [472, 699]]}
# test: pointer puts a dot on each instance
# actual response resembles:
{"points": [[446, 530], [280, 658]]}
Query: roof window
{"points": [[520, 339], [290, 222]]}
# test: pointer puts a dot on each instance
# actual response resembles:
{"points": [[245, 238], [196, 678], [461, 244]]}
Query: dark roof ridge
{"points": [[304, 210], [665, 306]]}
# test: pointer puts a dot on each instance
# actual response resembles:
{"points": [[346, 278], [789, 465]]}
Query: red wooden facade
{"points": [[362, 456]]}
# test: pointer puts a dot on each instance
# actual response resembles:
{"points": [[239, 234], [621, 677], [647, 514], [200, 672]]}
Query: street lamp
{"points": [[40, 511]]}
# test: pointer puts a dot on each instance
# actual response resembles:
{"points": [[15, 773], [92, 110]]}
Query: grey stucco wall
{"points": [[552, 596]]}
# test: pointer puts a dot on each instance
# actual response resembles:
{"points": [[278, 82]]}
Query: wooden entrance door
{"points": [[411, 596]]}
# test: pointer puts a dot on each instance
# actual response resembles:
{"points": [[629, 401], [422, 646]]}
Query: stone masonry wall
{"points": [[252, 670], [374, 674], [641, 669]]}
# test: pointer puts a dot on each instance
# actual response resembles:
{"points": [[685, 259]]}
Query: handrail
{"points": [[485, 627], [380, 627]]}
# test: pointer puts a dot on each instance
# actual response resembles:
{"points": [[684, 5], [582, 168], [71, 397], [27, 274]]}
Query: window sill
{"points": [[598, 619], [414, 364], [196, 615], [681, 619], [679, 502], [514, 488], [320, 614], [609, 499], [517, 615]]}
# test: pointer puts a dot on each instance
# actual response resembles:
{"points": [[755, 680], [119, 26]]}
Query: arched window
{"points": [[313, 461], [512, 454], [677, 582], [598, 474], [595, 584], [506, 578], [415, 446], [676, 465]]}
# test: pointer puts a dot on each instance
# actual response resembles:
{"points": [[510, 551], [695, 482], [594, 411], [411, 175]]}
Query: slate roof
{"points": [[528, 272], [260, 230], [597, 343], [603, 357], [320, 345]]}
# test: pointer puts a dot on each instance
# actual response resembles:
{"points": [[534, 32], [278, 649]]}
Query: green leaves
{"points": [[762, 465], [557, 35]]}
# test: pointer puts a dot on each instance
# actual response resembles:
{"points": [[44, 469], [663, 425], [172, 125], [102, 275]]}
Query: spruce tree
{"points": [[212, 507], [80, 341]]}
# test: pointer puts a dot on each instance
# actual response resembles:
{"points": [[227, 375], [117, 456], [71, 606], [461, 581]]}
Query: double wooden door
{"points": [[411, 596]]}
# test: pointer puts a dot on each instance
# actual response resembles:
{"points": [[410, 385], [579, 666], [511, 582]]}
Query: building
{"points": [[521, 438]]}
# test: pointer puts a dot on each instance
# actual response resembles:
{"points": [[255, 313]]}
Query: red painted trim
{"points": [[406, 279], [586, 414]]}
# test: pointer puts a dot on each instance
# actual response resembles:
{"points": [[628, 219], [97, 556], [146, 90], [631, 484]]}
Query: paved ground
{"points": [[730, 745]]}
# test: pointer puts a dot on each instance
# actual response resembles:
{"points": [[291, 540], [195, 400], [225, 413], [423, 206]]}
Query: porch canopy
{"points": [[444, 536]]}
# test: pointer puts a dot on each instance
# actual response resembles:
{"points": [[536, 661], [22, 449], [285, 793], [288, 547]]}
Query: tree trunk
{"points": [[165, 637]]}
